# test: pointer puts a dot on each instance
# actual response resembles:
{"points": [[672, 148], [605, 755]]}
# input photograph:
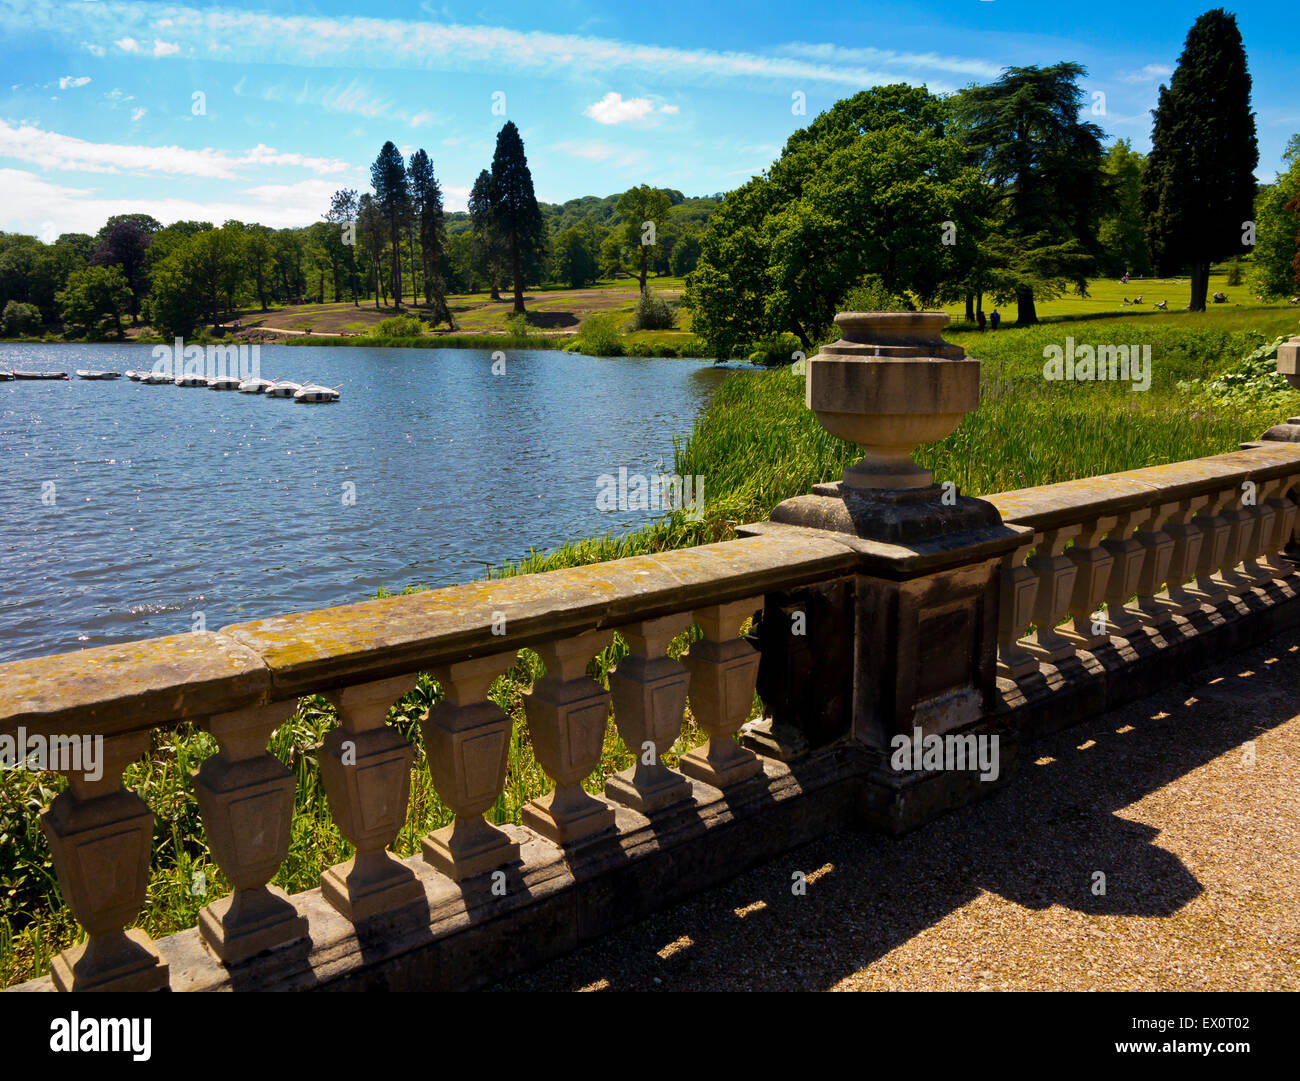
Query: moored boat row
{"points": [[282, 388]]}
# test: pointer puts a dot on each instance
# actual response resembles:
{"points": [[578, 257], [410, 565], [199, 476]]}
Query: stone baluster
{"points": [[1187, 536], [568, 713], [1129, 556], [101, 836], [245, 798], [467, 740], [365, 766], [1056, 573], [1263, 518], [1241, 524], [1015, 610], [649, 691], [1093, 564], [1216, 532], [1157, 555], [722, 669], [1284, 505]]}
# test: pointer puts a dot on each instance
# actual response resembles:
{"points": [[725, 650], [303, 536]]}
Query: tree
{"points": [[487, 234], [93, 294], [343, 214], [643, 210], [124, 243], [426, 196], [686, 253], [514, 206], [392, 202], [1044, 166], [20, 319], [575, 259], [370, 232], [1198, 190], [1120, 236], [868, 192], [1277, 222]]}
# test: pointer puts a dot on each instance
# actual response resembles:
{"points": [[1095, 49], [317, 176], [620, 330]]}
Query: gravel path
{"points": [[1199, 846]]}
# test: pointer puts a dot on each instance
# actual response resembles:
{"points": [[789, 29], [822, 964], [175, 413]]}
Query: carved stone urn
{"points": [[889, 385]]}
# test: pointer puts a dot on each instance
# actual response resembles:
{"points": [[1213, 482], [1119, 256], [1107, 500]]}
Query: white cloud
{"points": [[66, 81], [384, 44], [165, 48], [613, 108], [420, 120], [590, 151], [51, 150], [137, 114], [94, 50], [32, 205]]}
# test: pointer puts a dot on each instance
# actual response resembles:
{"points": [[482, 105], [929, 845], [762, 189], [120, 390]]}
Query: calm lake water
{"points": [[169, 502]]}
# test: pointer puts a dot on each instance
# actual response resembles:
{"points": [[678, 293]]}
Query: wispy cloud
{"points": [[52, 150], [68, 81], [1148, 74], [385, 44], [888, 58]]}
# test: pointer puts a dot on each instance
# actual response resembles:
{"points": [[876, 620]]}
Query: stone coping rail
{"points": [[140, 685]]}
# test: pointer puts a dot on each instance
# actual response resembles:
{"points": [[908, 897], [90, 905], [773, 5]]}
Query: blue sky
{"points": [[259, 111]]}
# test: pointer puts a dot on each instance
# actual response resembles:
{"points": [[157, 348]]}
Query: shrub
{"points": [[517, 326], [20, 319], [872, 296], [652, 313], [598, 336], [400, 326], [776, 350]]}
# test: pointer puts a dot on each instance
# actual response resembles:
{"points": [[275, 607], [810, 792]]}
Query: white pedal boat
{"points": [[255, 386], [191, 381], [313, 393], [224, 382], [283, 389], [82, 373]]}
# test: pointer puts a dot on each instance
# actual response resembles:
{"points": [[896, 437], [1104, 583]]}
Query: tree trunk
{"points": [[970, 307], [979, 305], [517, 266], [492, 281], [644, 255], [1200, 286], [1025, 313], [397, 269]]}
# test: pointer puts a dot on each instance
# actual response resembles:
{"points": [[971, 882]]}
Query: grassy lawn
{"points": [[1106, 297], [552, 310]]}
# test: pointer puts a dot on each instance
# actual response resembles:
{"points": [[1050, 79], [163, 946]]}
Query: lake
{"points": [[130, 511]]}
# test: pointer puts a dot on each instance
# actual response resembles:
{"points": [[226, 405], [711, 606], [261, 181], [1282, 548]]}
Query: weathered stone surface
{"points": [[311, 651], [131, 686]]}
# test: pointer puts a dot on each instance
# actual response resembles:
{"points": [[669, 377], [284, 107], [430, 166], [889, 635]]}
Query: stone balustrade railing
{"points": [[892, 609], [1115, 560], [242, 682]]}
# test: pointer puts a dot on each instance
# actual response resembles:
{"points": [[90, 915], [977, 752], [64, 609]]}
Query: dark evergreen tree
{"points": [[487, 241], [392, 201], [1198, 188], [514, 207], [426, 196], [1044, 166], [124, 243]]}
